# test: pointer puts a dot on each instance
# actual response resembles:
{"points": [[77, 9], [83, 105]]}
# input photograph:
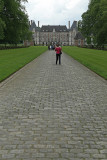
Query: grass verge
{"points": [[13, 59], [96, 60]]}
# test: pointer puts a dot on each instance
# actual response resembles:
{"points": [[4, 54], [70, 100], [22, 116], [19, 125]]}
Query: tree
{"points": [[102, 25], [16, 21], [94, 21], [79, 25], [2, 23]]}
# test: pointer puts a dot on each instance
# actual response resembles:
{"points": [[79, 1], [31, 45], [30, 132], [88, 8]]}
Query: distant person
{"points": [[58, 53], [48, 47], [53, 47]]}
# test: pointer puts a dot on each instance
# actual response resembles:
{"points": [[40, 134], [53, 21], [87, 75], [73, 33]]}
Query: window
{"points": [[53, 29]]}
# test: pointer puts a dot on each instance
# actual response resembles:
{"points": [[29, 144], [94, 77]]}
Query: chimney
{"points": [[38, 23], [31, 22], [68, 24]]}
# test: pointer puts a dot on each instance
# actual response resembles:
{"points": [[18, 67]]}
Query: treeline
{"points": [[94, 23], [14, 26]]}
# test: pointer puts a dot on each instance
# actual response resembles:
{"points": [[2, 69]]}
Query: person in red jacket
{"points": [[58, 53]]}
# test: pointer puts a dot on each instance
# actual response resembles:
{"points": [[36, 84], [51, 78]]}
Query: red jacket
{"points": [[58, 50]]}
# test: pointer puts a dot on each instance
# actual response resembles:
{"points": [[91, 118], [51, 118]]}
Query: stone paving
{"points": [[53, 112]]}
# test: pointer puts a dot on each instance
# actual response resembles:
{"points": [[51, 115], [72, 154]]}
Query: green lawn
{"points": [[13, 59], [96, 60]]}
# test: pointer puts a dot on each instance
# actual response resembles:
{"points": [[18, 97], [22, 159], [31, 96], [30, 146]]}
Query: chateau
{"points": [[52, 34]]}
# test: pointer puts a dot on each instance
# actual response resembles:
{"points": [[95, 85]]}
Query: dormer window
{"points": [[53, 29], [33, 30]]}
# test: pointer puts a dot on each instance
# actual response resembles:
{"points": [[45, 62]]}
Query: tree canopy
{"points": [[14, 24], [2, 23], [94, 21]]}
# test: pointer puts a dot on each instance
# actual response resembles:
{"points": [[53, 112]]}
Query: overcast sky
{"points": [[55, 12]]}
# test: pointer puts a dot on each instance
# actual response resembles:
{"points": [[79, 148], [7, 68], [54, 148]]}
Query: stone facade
{"points": [[52, 34], [79, 39]]}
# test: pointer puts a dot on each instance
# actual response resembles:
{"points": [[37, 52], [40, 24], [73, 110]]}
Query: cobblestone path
{"points": [[53, 112]]}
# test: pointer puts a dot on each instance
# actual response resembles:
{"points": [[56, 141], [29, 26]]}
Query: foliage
{"points": [[96, 60], [79, 25], [2, 23], [16, 21], [14, 59], [94, 21]]}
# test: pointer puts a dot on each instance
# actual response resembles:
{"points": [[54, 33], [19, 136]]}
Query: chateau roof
{"points": [[33, 25], [79, 36], [54, 28], [74, 26]]}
